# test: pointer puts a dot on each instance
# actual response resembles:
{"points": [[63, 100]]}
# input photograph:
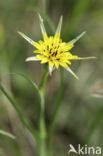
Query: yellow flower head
{"points": [[52, 50]]}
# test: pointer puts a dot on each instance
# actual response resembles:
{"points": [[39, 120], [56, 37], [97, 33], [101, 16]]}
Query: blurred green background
{"points": [[81, 113]]}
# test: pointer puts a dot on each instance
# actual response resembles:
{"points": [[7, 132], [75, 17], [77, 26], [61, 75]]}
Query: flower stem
{"points": [[55, 113], [58, 100], [42, 130], [42, 127]]}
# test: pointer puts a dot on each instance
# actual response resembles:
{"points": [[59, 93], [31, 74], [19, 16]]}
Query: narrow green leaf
{"points": [[21, 116], [31, 82], [28, 79], [7, 134]]}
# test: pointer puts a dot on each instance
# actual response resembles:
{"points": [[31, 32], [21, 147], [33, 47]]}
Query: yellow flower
{"points": [[52, 50]]}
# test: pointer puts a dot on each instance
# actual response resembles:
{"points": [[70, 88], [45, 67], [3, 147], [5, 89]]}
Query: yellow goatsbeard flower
{"points": [[53, 51]]}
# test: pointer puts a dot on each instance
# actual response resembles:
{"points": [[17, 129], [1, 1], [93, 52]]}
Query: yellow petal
{"points": [[56, 64], [73, 57], [63, 64], [68, 47], [37, 45], [51, 64], [56, 38], [44, 60]]}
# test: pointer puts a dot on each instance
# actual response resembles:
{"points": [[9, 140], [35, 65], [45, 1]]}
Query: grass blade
{"points": [[21, 116], [7, 134]]}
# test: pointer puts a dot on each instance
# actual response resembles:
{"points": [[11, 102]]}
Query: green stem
{"points": [[55, 113], [58, 100], [42, 127]]}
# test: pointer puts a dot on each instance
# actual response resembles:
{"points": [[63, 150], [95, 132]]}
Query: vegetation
{"points": [[73, 108]]}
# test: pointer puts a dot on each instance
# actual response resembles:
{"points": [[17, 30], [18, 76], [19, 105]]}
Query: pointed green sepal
{"points": [[86, 58], [26, 38], [58, 31], [43, 30], [50, 70], [32, 58], [69, 70], [77, 38]]}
